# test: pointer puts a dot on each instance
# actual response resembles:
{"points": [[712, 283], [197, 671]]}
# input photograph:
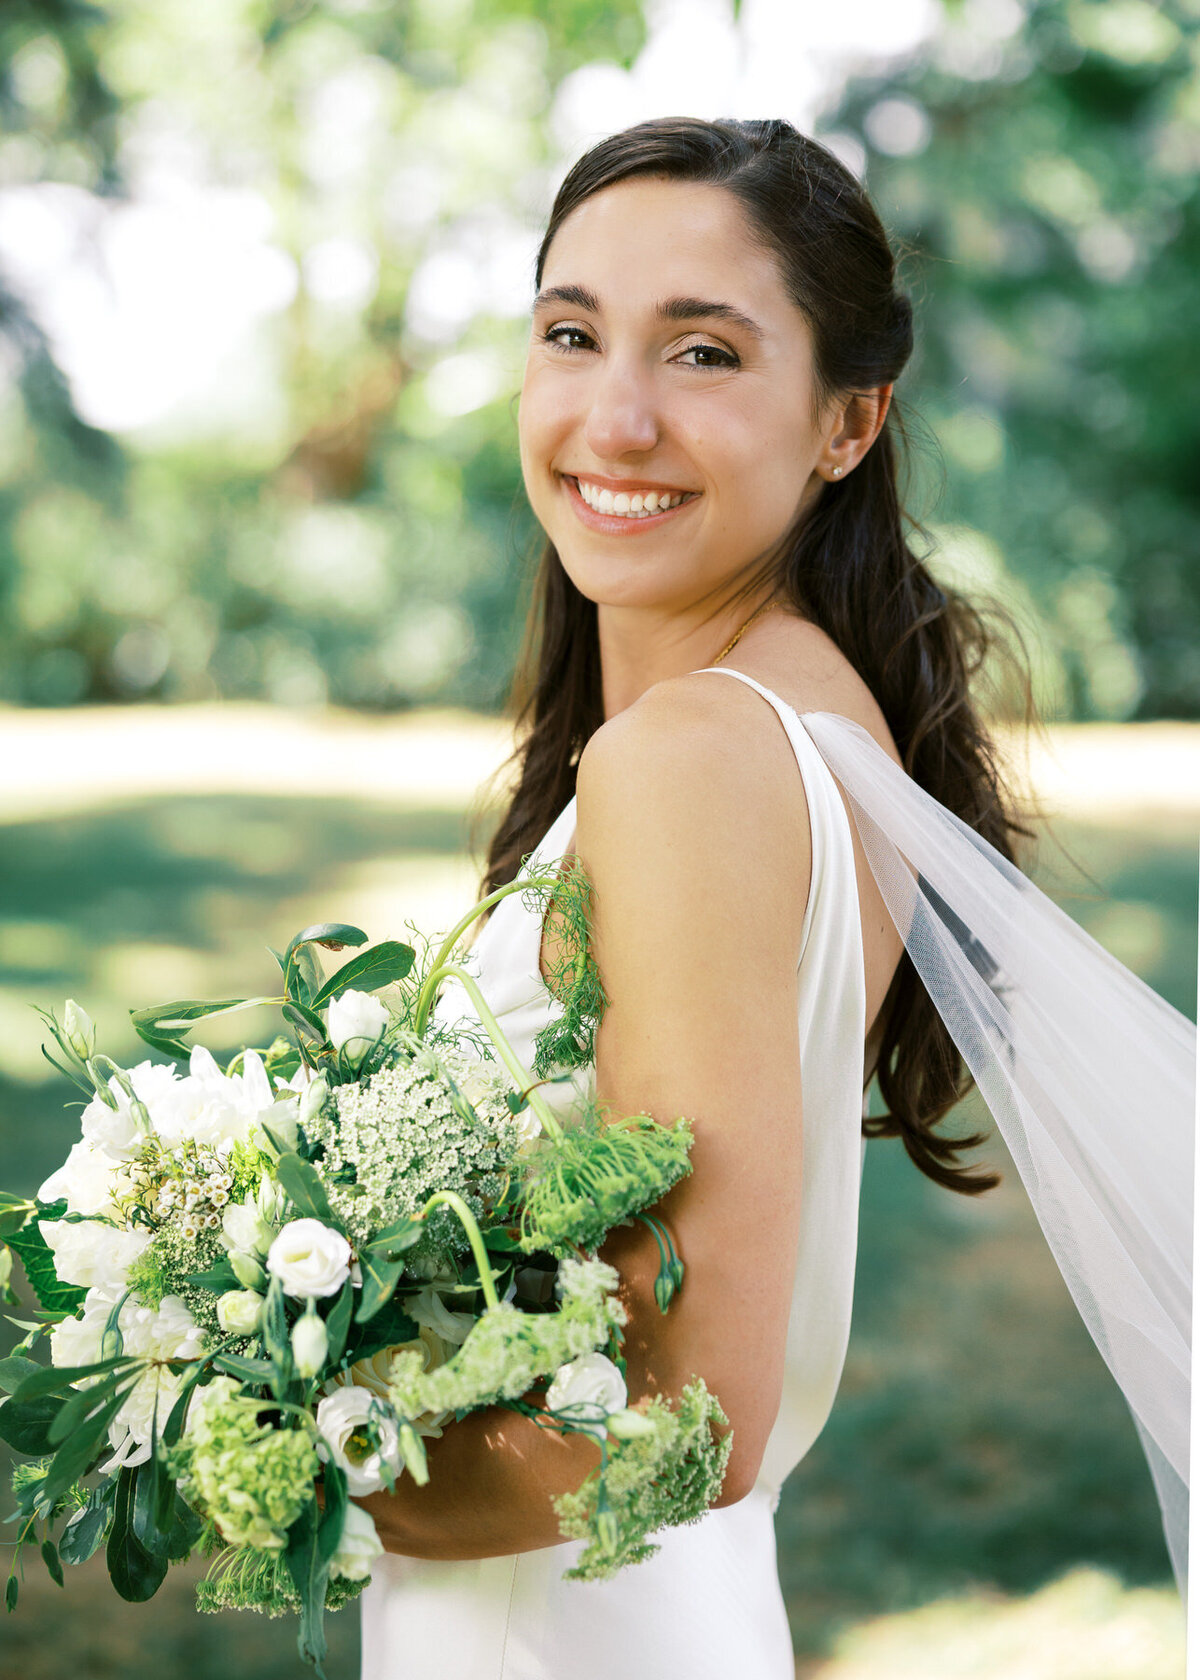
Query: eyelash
{"points": [[553, 337]]}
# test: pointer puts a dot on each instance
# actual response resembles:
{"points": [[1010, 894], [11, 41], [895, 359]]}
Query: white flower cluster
{"points": [[400, 1138]]}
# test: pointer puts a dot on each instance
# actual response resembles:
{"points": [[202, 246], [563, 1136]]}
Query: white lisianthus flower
{"points": [[342, 1420], [115, 1131], [309, 1258], [244, 1228], [79, 1029], [355, 1020], [586, 1391], [91, 1253], [238, 1311], [86, 1180], [358, 1547]]}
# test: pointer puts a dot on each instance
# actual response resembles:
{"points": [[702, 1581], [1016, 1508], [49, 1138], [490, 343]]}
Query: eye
{"points": [[559, 336], [710, 356]]}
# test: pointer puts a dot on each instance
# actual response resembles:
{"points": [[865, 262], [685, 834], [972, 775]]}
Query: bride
{"points": [[803, 878]]}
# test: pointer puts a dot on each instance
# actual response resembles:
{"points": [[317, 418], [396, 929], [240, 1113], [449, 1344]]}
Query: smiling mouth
{"points": [[624, 504]]}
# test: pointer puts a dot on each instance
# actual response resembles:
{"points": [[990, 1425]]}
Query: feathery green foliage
{"points": [[568, 1039], [597, 1175], [658, 1480]]}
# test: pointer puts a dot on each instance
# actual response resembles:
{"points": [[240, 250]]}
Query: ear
{"points": [[853, 428]]}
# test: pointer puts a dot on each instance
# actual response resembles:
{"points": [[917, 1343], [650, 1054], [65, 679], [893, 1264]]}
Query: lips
{"points": [[616, 512]]}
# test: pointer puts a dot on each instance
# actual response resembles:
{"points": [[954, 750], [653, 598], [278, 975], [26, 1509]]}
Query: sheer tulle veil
{"points": [[1089, 1074]]}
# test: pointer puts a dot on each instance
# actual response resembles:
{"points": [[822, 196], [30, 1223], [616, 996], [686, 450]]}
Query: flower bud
{"points": [[628, 1425], [313, 1099], [412, 1450], [80, 1030], [247, 1270], [676, 1271], [664, 1289], [239, 1311], [310, 1342], [5, 1268]]}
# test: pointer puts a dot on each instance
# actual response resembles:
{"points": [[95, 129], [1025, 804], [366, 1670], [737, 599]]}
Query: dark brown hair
{"points": [[846, 566]]}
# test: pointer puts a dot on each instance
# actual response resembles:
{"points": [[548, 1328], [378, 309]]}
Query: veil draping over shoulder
{"points": [[1089, 1074]]}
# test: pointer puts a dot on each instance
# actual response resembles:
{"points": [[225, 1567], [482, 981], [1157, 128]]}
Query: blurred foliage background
{"points": [[263, 271], [265, 267]]}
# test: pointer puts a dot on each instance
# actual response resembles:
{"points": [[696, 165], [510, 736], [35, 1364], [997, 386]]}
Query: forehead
{"points": [[649, 238]]}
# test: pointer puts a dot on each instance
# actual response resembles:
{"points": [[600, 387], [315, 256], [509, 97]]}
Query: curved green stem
{"points": [[525, 1081], [429, 986], [466, 1219]]}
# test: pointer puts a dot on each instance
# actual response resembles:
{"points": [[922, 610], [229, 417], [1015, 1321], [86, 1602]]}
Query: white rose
{"points": [[375, 1374], [355, 1019], [587, 1390], [358, 1547], [87, 1179], [91, 1253], [238, 1311], [341, 1422], [309, 1258]]}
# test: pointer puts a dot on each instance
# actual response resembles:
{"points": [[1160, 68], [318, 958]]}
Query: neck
{"points": [[642, 646]]}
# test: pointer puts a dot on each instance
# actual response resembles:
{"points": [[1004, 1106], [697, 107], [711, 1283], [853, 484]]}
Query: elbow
{"points": [[741, 1473]]}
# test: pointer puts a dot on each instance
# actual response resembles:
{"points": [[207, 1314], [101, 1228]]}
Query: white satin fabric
{"points": [[708, 1606]]}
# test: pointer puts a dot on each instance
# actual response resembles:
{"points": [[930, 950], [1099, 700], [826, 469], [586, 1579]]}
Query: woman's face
{"points": [[665, 422]]}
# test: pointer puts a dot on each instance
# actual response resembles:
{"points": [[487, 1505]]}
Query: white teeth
{"points": [[625, 505]]}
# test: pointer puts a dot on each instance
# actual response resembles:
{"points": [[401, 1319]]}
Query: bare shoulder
{"points": [[688, 745]]}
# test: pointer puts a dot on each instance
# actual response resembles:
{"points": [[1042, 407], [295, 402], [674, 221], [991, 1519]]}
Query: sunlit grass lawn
{"points": [[978, 1451]]}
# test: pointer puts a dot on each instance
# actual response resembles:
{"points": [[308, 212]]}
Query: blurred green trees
{"points": [[337, 514]]}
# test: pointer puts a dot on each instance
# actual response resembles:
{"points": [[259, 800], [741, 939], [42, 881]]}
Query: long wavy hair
{"points": [[846, 565]]}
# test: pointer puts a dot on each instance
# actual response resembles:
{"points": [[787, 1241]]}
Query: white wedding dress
{"points": [[708, 1605]]}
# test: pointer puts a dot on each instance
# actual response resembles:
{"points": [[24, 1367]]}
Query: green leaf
{"points": [[136, 1574], [83, 1534], [221, 1278], [306, 1020], [186, 1529], [59, 1379], [379, 966], [50, 1559], [25, 1425], [396, 1239], [84, 1402], [153, 1502], [380, 1278], [35, 1255], [502, 1242], [15, 1214], [81, 1449], [301, 975], [337, 1324], [15, 1369], [310, 1574], [332, 936], [333, 1517], [245, 1370], [303, 1184]]}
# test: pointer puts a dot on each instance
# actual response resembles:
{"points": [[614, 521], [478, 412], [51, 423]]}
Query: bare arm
{"points": [[701, 873]]}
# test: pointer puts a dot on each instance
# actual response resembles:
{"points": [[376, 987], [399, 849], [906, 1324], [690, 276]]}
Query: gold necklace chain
{"points": [[729, 647]]}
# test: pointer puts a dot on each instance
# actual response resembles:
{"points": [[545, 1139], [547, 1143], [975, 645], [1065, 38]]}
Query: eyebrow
{"points": [[672, 309]]}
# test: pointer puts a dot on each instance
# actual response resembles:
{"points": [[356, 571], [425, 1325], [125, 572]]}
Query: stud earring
{"points": [[837, 471]]}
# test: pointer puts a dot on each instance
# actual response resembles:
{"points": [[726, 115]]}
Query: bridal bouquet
{"points": [[266, 1286]]}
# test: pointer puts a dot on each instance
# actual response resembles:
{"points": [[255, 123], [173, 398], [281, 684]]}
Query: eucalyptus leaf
{"points": [[15, 1369], [301, 1016], [25, 1424], [303, 1185], [380, 1278], [83, 1534], [333, 936], [244, 1369], [380, 966], [50, 1559], [337, 1324]]}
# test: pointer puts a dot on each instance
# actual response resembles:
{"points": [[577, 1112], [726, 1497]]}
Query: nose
{"points": [[623, 416]]}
